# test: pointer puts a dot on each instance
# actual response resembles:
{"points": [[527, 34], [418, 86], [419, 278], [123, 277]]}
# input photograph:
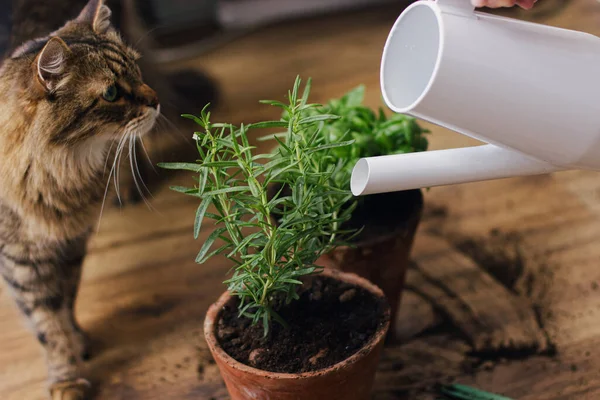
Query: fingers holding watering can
{"points": [[525, 4]]}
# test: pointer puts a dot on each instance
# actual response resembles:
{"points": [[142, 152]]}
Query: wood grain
{"points": [[143, 298]]}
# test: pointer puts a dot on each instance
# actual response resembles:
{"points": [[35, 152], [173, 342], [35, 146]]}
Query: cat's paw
{"points": [[77, 389]]}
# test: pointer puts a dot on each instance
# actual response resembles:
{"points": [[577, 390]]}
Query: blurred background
{"points": [[185, 27]]}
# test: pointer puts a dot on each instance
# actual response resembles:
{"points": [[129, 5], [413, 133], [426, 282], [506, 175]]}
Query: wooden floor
{"points": [[143, 299]]}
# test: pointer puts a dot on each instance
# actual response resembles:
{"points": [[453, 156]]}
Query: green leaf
{"points": [[185, 190], [227, 190], [382, 116], [279, 171], [318, 118], [331, 146], [268, 124], [294, 95], [264, 156], [265, 319], [181, 166], [297, 192], [243, 310], [282, 144], [254, 188], [272, 136], [193, 118], [223, 126], [245, 242], [203, 180], [355, 97], [218, 164], [303, 271], [216, 252], [274, 103], [278, 318], [291, 281], [277, 162], [306, 92], [200, 259], [206, 202]]}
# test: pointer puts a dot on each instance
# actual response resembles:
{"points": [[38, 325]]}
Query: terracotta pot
{"points": [[382, 258], [351, 379]]}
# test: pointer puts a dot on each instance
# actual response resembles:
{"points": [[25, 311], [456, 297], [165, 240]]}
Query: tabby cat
{"points": [[66, 97]]}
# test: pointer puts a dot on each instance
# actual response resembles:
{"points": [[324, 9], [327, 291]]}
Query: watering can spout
{"points": [[442, 167]]}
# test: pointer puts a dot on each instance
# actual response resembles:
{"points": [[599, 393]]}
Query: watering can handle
{"points": [[460, 7]]}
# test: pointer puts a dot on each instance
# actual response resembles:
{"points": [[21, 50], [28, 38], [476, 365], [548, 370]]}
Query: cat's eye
{"points": [[111, 93]]}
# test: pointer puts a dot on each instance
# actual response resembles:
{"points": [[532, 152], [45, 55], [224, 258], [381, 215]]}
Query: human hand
{"points": [[525, 4]]}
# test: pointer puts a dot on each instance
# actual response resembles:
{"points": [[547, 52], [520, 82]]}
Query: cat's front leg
{"points": [[44, 288]]}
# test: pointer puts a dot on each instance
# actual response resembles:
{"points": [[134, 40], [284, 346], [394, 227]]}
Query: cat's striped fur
{"points": [[58, 120]]}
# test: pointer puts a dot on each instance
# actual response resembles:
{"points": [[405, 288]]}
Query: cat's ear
{"points": [[96, 14], [51, 62]]}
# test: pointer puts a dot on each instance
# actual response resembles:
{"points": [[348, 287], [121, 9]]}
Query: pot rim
{"points": [[217, 351]]}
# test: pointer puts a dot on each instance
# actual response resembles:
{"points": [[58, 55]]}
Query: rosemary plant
{"points": [[233, 182]]}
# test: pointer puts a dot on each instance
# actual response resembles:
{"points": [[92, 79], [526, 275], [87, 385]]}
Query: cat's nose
{"points": [[148, 96]]}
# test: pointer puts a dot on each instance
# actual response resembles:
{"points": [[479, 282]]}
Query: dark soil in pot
{"points": [[330, 322]]}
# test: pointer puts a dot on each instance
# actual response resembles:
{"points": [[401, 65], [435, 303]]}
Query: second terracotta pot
{"points": [[351, 379], [382, 253]]}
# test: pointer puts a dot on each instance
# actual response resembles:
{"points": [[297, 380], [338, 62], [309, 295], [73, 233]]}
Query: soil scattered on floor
{"points": [[330, 322], [500, 254]]}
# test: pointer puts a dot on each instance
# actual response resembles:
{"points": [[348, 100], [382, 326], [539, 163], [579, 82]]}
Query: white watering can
{"points": [[532, 92]]}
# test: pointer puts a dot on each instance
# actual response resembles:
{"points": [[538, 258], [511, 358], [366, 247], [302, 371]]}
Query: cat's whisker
{"points": [[116, 166], [148, 32], [112, 169], [114, 172], [147, 155], [112, 143], [171, 126], [117, 174], [132, 161], [137, 138], [107, 182], [103, 203]]}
